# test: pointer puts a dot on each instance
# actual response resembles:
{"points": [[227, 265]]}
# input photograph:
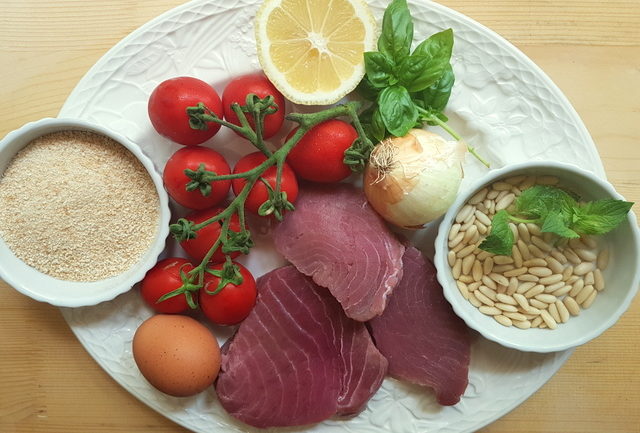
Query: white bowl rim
{"points": [[452, 296], [158, 244]]}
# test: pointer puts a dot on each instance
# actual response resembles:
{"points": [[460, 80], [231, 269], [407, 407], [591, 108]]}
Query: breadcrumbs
{"points": [[78, 206]]}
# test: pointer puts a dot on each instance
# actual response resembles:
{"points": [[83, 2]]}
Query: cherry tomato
{"points": [[319, 155], [167, 109], [175, 179], [233, 303], [258, 84], [207, 236], [163, 278], [259, 193]]}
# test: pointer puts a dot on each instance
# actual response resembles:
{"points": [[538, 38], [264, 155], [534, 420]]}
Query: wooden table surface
{"points": [[48, 383]]}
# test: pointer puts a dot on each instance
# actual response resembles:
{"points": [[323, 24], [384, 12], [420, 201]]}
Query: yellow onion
{"points": [[412, 180]]}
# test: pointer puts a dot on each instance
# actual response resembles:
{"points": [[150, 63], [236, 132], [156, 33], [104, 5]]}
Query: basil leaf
{"points": [[378, 129], [600, 216], [379, 68], [500, 240], [397, 31], [556, 223], [437, 95], [439, 45], [419, 72], [397, 110], [366, 90]]}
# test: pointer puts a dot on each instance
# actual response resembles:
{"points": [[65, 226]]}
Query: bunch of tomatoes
{"points": [[317, 157]]}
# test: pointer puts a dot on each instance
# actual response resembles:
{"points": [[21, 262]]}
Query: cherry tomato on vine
{"points": [[319, 154], [208, 235], [204, 193], [163, 278], [167, 109], [258, 84], [233, 303], [259, 193]]}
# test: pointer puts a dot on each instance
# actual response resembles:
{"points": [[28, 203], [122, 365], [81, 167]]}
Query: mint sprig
{"points": [[555, 211]]}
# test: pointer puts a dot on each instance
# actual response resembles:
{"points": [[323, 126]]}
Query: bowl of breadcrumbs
{"points": [[83, 212]]}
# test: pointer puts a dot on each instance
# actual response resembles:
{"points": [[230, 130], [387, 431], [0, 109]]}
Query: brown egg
{"points": [[177, 354]]}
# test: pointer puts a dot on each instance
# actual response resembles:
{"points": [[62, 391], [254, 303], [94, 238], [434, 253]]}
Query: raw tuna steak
{"points": [[335, 237], [297, 359], [419, 334]]}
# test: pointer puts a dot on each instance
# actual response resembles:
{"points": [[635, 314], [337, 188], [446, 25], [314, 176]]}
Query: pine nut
{"points": [[524, 250], [589, 242], [505, 201], [489, 311], [539, 271], [476, 271], [464, 213], [538, 304], [538, 242], [525, 324], [583, 268], [534, 229], [553, 311], [592, 297], [467, 264], [567, 273], [589, 278], [603, 259], [528, 277], [598, 280], [536, 252], [551, 279], [482, 298], [506, 299], [521, 300], [502, 260], [554, 265], [528, 182], [479, 196], [586, 255], [562, 311], [523, 231], [513, 286], [466, 279], [489, 282], [474, 286], [500, 279], [536, 322], [503, 320], [465, 251], [457, 268], [484, 219], [562, 291], [501, 186], [456, 240], [455, 229], [515, 180], [572, 257], [488, 292], [533, 310], [546, 298], [577, 287], [517, 257], [484, 255], [524, 287], [548, 320], [502, 289], [576, 244], [559, 257], [457, 248], [451, 258], [572, 279], [551, 288], [499, 269], [514, 231], [487, 266], [515, 316], [474, 301], [515, 272], [584, 294], [548, 237], [506, 307], [464, 290], [482, 228], [535, 262]]}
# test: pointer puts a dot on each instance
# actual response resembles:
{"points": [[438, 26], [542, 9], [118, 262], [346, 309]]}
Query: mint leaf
{"points": [[600, 216], [500, 241], [555, 223], [540, 200], [397, 31]]}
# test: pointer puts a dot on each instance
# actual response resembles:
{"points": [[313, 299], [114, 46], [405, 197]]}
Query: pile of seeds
{"points": [[544, 282], [78, 206]]}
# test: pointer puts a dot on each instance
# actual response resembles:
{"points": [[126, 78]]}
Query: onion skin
{"points": [[412, 180]]}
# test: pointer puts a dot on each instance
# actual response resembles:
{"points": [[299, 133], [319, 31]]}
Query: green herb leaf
{"points": [[501, 239], [419, 72], [437, 95], [397, 31], [540, 200], [379, 68], [600, 216], [439, 45], [556, 223], [366, 90], [397, 110], [378, 129]]}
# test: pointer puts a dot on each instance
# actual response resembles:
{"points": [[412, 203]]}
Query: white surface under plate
{"points": [[502, 104]]}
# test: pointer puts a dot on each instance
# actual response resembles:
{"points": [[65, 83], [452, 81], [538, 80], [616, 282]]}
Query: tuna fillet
{"points": [[297, 359], [335, 237], [420, 335]]}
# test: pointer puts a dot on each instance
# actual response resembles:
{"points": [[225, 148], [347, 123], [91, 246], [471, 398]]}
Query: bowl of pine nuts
{"points": [[539, 256]]}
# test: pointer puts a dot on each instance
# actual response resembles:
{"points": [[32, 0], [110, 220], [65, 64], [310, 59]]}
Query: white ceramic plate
{"points": [[502, 103]]}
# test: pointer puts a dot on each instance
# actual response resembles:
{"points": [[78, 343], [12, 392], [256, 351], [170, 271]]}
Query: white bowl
{"points": [[622, 276], [42, 287]]}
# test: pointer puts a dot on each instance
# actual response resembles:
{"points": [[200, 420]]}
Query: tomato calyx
{"points": [[200, 179], [229, 274], [277, 203], [200, 116], [237, 241], [183, 229], [187, 288]]}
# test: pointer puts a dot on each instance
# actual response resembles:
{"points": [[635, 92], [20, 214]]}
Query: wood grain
{"points": [[590, 49]]}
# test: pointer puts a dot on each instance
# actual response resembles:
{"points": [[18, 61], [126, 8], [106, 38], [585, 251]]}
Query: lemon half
{"points": [[312, 50]]}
